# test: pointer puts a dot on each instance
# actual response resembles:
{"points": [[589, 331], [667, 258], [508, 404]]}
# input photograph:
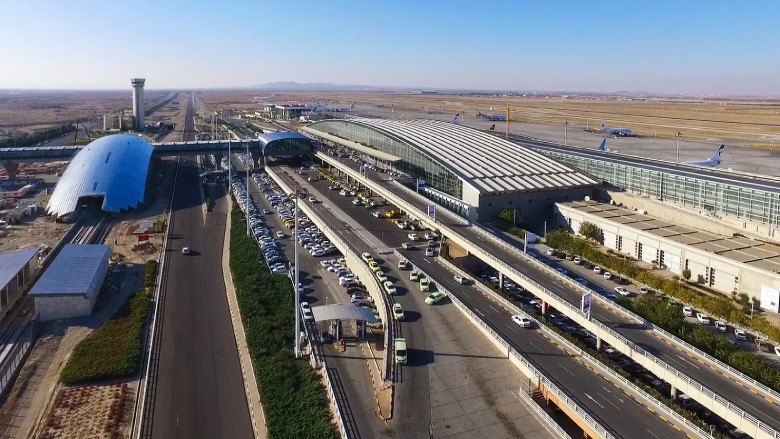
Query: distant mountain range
{"points": [[321, 86]]}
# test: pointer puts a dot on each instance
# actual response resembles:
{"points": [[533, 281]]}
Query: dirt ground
{"points": [[38, 406], [656, 116]]}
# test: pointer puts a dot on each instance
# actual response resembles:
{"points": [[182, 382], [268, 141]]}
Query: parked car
{"points": [[414, 276], [425, 284], [551, 252], [366, 257], [597, 269], [429, 252], [740, 334], [577, 260], [407, 246], [687, 311], [704, 319], [720, 326], [389, 287], [622, 291], [607, 275]]}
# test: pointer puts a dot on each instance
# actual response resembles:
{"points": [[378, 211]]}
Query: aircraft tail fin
{"points": [[718, 156], [603, 145]]}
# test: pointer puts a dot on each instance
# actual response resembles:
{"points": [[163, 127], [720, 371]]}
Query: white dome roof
{"points": [[114, 167]]}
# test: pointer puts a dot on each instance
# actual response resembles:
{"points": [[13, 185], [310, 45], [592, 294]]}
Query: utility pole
{"points": [[566, 133], [246, 211], [295, 287], [678, 151], [507, 122]]}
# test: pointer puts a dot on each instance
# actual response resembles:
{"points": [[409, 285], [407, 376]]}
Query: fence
{"points": [[14, 358]]}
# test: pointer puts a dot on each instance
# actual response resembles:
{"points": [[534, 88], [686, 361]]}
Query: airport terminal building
{"points": [[472, 173]]}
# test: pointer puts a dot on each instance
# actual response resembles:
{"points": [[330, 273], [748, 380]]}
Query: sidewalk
{"points": [[247, 369]]}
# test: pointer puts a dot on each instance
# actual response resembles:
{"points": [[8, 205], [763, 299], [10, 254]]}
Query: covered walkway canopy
{"points": [[352, 145], [342, 312]]}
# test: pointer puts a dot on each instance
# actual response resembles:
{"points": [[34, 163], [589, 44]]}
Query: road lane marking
{"points": [[594, 401]]}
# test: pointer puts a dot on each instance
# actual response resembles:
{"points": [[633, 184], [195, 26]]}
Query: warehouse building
{"points": [[470, 172], [728, 264], [72, 283]]}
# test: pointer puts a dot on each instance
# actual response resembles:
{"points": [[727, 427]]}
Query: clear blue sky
{"points": [[683, 46]]}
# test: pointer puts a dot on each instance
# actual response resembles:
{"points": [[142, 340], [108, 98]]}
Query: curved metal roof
{"points": [[114, 167], [342, 312], [487, 162]]}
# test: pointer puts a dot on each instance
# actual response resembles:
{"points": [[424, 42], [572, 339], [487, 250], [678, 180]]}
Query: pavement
{"points": [[200, 386], [471, 385]]}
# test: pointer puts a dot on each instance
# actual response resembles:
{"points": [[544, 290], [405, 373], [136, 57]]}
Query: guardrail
{"points": [[16, 355], [571, 346], [560, 304]]}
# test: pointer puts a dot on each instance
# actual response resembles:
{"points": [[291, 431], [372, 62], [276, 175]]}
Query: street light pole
{"points": [[248, 233], [566, 133], [295, 287]]}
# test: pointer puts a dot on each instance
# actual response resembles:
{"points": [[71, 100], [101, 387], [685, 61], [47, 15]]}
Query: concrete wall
{"points": [[63, 307], [707, 268]]}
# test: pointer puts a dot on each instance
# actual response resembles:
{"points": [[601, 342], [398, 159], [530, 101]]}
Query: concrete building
{"points": [[138, 102], [725, 263], [17, 268], [112, 122], [470, 172], [71, 285]]}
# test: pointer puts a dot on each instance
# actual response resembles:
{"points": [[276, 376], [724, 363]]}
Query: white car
{"points": [[398, 312], [325, 264], [740, 334], [306, 312], [577, 260], [462, 279], [407, 246], [622, 291], [550, 252], [413, 236], [428, 251], [720, 326], [185, 250], [280, 234], [704, 319], [312, 199], [687, 311], [522, 321], [597, 269], [607, 275], [402, 264], [376, 214]]}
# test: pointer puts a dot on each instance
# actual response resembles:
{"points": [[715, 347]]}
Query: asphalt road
{"points": [[729, 387], [623, 416], [200, 389]]}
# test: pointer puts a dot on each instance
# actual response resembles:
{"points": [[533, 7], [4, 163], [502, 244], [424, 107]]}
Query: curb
{"points": [[250, 383], [374, 385]]}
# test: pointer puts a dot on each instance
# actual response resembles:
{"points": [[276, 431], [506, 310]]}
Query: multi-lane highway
{"points": [[730, 387], [199, 389], [622, 415]]}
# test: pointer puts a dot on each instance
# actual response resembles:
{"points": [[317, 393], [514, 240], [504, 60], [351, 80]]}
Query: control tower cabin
{"points": [[138, 103]]}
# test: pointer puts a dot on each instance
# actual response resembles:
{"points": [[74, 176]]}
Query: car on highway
{"points": [[398, 311], [185, 250], [687, 311], [414, 276], [522, 321], [740, 334], [622, 291], [376, 214], [413, 236], [720, 326], [312, 200], [389, 287], [434, 298], [428, 252], [704, 319], [400, 350], [407, 246], [425, 284], [373, 266], [306, 312], [551, 252], [366, 257], [463, 280]]}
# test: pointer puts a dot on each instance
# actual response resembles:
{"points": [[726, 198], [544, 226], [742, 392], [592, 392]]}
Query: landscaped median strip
{"points": [[292, 395]]}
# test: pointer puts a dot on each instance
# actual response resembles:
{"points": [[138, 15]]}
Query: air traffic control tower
{"points": [[138, 103]]}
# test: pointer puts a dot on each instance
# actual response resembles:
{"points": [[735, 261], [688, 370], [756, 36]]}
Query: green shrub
{"points": [[150, 275], [293, 398], [114, 349]]}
